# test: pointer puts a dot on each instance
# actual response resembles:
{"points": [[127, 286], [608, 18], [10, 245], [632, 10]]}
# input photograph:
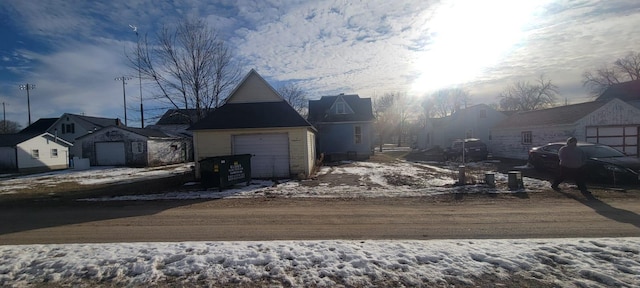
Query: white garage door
{"points": [[270, 153], [623, 138], [110, 154]]}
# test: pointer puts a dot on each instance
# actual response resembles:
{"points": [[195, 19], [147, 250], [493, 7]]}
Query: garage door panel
{"points": [[623, 138], [270, 153], [110, 154]]}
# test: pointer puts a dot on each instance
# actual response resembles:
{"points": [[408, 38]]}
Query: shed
{"points": [[24, 152], [135, 147], [256, 120]]}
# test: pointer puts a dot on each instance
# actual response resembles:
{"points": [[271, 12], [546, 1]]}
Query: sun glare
{"points": [[469, 36]]}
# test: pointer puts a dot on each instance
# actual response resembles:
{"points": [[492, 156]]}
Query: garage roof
{"points": [[568, 114], [252, 115]]}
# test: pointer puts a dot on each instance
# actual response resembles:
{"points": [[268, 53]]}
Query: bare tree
{"points": [[9, 127], [191, 67], [382, 107], [296, 97], [447, 101], [624, 69], [524, 96]]}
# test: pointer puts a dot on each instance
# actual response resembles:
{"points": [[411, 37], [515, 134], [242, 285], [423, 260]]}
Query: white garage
{"points": [[269, 153], [110, 154], [622, 137]]}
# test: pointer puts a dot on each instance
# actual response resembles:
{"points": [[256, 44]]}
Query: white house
{"points": [[71, 126], [472, 122], [24, 152], [614, 123]]}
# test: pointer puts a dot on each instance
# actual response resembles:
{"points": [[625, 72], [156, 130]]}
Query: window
{"points": [[526, 137], [483, 113], [68, 128], [137, 147], [340, 108], [358, 134], [35, 153], [54, 153]]}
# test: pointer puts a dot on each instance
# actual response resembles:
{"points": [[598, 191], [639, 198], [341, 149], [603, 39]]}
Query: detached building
{"points": [[24, 152]]}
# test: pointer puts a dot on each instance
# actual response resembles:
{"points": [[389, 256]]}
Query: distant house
{"points": [[472, 122], [25, 152], [71, 126], [134, 147], [628, 92], [256, 120], [177, 121], [615, 123], [40, 126], [345, 126]]}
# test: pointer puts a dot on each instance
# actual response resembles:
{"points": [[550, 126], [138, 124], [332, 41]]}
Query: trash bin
{"points": [[515, 180], [225, 171]]}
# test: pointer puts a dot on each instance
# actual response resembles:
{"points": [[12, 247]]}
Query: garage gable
{"points": [[254, 89]]}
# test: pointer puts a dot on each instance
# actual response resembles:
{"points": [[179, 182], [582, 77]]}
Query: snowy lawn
{"points": [[610, 262]]}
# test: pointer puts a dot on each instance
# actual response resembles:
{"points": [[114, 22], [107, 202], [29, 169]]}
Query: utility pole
{"points": [[4, 119], [135, 29], [124, 95], [28, 87]]}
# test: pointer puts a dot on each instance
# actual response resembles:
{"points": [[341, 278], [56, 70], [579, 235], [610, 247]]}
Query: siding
{"points": [[46, 159], [339, 138], [211, 143]]}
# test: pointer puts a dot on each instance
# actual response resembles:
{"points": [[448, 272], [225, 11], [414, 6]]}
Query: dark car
{"points": [[605, 164], [474, 150]]}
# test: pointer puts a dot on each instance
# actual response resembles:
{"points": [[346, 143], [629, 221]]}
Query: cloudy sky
{"points": [[73, 50]]}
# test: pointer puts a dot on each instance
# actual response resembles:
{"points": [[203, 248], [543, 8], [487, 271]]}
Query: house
{"points": [[71, 126], [256, 120], [345, 126], [40, 126], [626, 91], [25, 152], [134, 147], [472, 122], [615, 123]]}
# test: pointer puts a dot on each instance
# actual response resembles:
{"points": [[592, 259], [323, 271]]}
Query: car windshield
{"points": [[598, 151]]}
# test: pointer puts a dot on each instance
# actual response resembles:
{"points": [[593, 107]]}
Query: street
{"points": [[536, 215]]}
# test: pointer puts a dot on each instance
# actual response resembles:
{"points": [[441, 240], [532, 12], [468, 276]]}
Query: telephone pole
{"points": [[28, 87], [124, 95], [135, 29]]}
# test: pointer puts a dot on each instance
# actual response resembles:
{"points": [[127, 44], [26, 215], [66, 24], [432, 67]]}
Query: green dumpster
{"points": [[225, 171]]}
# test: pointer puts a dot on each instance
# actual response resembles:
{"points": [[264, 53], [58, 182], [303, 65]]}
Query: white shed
{"points": [[33, 152]]}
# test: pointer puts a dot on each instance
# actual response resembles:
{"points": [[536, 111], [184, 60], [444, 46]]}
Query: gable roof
{"points": [[361, 107], [552, 116], [626, 91], [40, 126], [89, 122], [146, 132], [253, 88], [252, 115], [11, 140]]}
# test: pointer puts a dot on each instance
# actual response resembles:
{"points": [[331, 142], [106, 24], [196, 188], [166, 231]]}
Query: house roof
{"points": [[11, 140], [252, 115], [552, 116], [147, 132], [361, 107], [178, 117], [626, 91], [40, 126]]}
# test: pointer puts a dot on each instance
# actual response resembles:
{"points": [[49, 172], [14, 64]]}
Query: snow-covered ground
{"points": [[601, 262]]}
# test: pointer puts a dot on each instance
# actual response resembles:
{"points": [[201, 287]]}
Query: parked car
{"points": [[605, 164], [474, 150]]}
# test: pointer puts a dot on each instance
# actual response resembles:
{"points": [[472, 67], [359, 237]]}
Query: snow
{"points": [[580, 262]]}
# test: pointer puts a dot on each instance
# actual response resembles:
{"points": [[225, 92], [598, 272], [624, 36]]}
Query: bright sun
{"points": [[469, 36]]}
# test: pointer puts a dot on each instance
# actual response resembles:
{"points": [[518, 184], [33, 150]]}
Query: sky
{"points": [[73, 50], [563, 262]]}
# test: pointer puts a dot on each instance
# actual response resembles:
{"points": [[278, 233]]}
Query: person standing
{"points": [[572, 161]]}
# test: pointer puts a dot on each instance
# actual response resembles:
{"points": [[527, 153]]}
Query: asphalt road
{"points": [[448, 217]]}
